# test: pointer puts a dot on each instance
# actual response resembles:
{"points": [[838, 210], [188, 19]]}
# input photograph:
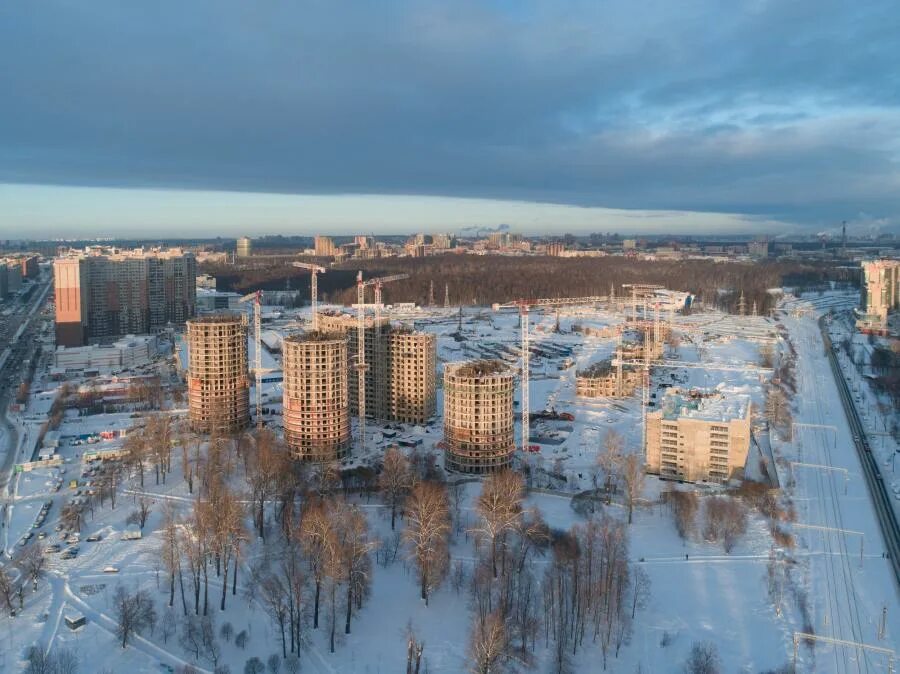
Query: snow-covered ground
{"points": [[698, 591]]}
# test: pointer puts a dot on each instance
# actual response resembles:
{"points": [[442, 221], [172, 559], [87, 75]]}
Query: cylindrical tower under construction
{"points": [[218, 385], [478, 416], [316, 396]]}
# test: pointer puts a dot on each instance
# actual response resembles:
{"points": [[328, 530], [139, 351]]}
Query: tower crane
{"points": [[314, 270], [361, 365], [524, 306], [256, 298]]}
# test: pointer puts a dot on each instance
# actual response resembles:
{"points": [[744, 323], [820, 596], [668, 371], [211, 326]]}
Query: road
{"points": [[881, 496]]}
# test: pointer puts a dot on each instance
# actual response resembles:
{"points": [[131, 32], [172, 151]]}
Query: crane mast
{"points": [[314, 270]]}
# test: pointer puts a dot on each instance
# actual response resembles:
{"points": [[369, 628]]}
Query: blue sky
{"points": [[223, 116]]}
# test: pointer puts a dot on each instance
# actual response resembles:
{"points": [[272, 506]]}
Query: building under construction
{"points": [[602, 380], [218, 383], [316, 396], [478, 416], [400, 377], [412, 362]]}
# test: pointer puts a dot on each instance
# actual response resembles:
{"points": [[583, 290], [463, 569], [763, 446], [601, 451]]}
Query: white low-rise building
{"points": [[128, 352]]}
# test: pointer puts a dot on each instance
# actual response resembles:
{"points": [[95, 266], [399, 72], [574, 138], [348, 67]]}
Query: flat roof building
{"points": [[699, 436], [106, 293], [879, 294]]}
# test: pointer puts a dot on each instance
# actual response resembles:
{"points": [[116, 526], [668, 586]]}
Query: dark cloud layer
{"points": [[789, 110]]}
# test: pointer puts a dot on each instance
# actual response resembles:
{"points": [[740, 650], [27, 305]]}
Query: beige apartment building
{"points": [[106, 293], [880, 293], [316, 396], [478, 416], [324, 246], [400, 376], [218, 381], [699, 436], [244, 247], [601, 380], [412, 379]]}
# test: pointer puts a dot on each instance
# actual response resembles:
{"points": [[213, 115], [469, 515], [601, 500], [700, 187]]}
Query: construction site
{"points": [[544, 379]]}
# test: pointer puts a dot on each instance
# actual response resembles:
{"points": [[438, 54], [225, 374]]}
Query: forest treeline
{"points": [[483, 280]]}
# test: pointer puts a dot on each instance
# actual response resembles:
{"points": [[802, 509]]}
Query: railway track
{"points": [[881, 495]]}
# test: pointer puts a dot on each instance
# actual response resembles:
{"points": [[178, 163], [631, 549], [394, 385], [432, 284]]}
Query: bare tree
{"points": [[414, 649], [136, 449], [7, 588], [427, 534], [640, 590], [145, 505], [395, 480], [314, 534], [487, 644], [726, 520], [134, 612], [703, 659], [171, 551], [265, 461], [632, 472], [275, 599], [273, 664], [684, 506], [168, 624], [609, 460], [254, 666], [500, 507], [32, 560]]}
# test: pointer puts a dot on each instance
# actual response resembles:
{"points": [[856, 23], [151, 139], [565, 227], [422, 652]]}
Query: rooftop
{"points": [[222, 317], [481, 368], [316, 336], [705, 405]]}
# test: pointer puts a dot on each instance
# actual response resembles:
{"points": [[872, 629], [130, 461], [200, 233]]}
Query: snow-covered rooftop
{"points": [[705, 405]]}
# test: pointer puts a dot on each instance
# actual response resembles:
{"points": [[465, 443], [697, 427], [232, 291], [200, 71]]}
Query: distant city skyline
{"points": [[783, 113]]}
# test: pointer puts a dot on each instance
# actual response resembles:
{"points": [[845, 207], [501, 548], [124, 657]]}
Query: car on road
{"points": [[93, 538]]}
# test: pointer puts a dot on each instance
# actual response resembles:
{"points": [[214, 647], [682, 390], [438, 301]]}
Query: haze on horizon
{"points": [[228, 118]]}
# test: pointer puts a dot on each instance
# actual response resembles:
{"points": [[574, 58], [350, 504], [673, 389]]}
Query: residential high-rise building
{"points": [[13, 276], [374, 353], [412, 360], [325, 247], [316, 396], [699, 436], [4, 282], [478, 416], [218, 381], [400, 376], [244, 247], [880, 293], [103, 294]]}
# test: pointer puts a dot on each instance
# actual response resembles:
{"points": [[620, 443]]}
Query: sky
{"points": [[226, 117]]}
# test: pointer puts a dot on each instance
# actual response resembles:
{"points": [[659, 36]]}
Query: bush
{"points": [[254, 666], [703, 659]]}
